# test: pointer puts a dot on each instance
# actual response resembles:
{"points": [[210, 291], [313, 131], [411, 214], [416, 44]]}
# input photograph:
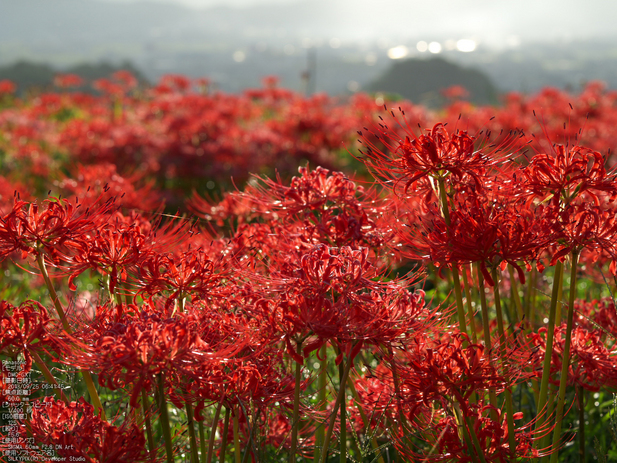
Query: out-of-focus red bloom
{"points": [[456, 92], [7, 87], [126, 79], [68, 80], [25, 329], [174, 83], [593, 364], [108, 87], [75, 432], [9, 190], [92, 183], [492, 437], [600, 315]]}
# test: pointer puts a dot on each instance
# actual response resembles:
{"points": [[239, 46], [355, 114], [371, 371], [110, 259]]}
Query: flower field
{"points": [[194, 276]]}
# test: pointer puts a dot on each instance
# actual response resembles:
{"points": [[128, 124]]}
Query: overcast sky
{"points": [[487, 20], [210, 3]]}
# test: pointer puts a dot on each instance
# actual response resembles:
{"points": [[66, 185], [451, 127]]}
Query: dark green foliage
{"points": [[422, 81]]}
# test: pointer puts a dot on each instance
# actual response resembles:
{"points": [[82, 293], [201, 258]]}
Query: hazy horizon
{"points": [[236, 42]]}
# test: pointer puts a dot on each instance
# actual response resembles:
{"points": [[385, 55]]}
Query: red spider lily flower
{"points": [[26, 329], [107, 87], [68, 81], [389, 314], [7, 87], [597, 315], [259, 382], [315, 289], [444, 371], [112, 249], [592, 364], [326, 207], [92, 182], [449, 445], [126, 79], [492, 230], [191, 273], [378, 399], [76, 433], [580, 226], [130, 345], [33, 230], [121, 244], [241, 208], [568, 172], [313, 190], [331, 295], [437, 154]]}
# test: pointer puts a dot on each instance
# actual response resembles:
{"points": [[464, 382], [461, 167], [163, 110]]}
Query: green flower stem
{"points": [[128, 296], [343, 419], [225, 432], [96, 401], [52, 292], [118, 297], [529, 292], [470, 312], [397, 391], [164, 419], [558, 315], [474, 439], [546, 367], [339, 398], [565, 363], [145, 407], [580, 393], [236, 424], [322, 383], [365, 420], [191, 427], [215, 423], [515, 296], [202, 442], [487, 342], [249, 445], [455, 276], [296, 406], [465, 430], [48, 376], [504, 362], [550, 408]]}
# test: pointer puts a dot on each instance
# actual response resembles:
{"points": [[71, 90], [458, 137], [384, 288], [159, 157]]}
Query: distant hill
{"points": [[423, 80]]}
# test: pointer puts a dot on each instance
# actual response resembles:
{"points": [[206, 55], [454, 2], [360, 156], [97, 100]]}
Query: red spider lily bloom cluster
{"points": [[307, 309]]}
